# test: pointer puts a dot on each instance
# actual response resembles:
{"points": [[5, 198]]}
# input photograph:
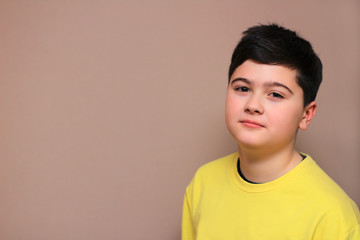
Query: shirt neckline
{"points": [[268, 186]]}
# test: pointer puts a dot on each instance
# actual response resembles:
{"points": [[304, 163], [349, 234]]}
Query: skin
{"points": [[264, 110]]}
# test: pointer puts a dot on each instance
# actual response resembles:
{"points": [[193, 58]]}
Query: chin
{"points": [[250, 142], [250, 145]]}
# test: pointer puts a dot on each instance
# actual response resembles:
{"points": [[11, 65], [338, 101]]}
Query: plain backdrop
{"points": [[107, 108]]}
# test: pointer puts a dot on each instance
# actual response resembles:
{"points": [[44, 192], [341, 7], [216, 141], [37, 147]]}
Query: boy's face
{"points": [[264, 106]]}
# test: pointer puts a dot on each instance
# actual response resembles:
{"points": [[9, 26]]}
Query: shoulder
{"points": [[330, 198], [212, 173], [209, 180], [216, 167], [322, 185], [218, 163]]}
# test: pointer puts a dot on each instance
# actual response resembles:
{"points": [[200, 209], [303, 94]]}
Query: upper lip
{"points": [[252, 122]]}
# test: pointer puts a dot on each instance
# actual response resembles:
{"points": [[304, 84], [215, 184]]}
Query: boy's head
{"points": [[275, 45]]}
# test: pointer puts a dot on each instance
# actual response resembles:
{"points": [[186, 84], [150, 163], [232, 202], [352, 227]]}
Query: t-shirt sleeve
{"points": [[187, 229], [353, 234], [339, 223]]}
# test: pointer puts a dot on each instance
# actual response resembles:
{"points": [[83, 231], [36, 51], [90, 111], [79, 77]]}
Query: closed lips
{"points": [[251, 123]]}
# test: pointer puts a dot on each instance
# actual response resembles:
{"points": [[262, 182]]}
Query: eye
{"points": [[242, 89], [276, 95]]}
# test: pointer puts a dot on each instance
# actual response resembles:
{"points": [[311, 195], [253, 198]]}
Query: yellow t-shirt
{"points": [[303, 204]]}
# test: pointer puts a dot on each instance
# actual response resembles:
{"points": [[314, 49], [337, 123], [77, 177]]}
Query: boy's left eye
{"points": [[276, 95]]}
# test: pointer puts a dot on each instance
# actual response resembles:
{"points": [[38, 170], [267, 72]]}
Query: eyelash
{"points": [[246, 89], [276, 95], [242, 89]]}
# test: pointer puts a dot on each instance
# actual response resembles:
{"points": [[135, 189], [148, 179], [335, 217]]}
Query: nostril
{"points": [[252, 110]]}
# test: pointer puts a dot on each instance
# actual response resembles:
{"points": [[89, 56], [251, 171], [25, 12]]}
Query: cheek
{"points": [[232, 108], [287, 119]]}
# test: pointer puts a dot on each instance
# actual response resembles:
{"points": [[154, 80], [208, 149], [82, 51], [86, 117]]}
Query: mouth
{"points": [[251, 124]]}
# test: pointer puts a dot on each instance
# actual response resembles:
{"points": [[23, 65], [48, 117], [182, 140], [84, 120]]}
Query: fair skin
{"points": [[264, 110]]}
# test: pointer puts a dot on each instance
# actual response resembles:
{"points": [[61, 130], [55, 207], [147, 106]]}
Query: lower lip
{"points": [[251, 125]]}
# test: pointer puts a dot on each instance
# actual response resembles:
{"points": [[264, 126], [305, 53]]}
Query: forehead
{"points": [[257, 72]]}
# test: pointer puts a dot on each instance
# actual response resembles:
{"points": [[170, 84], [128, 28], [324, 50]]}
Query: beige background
{"points": [[107, 108]]}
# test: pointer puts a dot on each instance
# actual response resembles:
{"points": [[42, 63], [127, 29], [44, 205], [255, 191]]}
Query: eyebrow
{"points": [[267, 84], [241, 80]]}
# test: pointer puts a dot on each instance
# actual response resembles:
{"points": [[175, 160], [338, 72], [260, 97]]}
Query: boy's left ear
{"points": [[308, 114]]}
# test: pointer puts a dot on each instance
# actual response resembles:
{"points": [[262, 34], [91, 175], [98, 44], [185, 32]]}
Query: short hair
{"points": [[276, 45]]}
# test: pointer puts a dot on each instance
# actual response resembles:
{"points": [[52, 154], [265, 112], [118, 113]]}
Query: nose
{"points": [[254, 105]]}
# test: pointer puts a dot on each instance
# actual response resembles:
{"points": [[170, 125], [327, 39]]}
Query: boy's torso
{"points": [[295, 206]]}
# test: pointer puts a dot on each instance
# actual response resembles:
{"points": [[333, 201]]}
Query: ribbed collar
{"points": [[268, 186]]}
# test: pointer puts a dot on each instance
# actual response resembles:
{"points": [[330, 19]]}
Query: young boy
{"points": [[268, 190]]}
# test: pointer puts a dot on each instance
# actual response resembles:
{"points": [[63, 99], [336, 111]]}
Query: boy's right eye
{"points": [[242, 89]]}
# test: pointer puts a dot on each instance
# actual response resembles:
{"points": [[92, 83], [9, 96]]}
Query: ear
{"points": [[308, 114]]}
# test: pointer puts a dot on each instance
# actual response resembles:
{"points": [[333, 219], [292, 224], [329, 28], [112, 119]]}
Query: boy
{"points": [[267, 190]]}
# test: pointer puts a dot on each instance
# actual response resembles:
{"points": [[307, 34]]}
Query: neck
{"points": [[264, 166]]}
